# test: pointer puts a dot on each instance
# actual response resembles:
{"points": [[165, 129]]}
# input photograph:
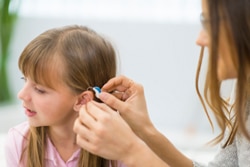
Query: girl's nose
{"points": [[23, 93], [202, 39]]}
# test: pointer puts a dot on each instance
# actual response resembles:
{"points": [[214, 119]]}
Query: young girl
{"points": [[226, 34], [59, 67]]}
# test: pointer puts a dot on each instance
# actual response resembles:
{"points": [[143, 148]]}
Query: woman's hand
{"points": [[129, 100], [102, 131]]}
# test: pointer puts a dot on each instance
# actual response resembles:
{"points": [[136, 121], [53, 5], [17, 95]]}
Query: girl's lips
{"points": [[29, 113]]}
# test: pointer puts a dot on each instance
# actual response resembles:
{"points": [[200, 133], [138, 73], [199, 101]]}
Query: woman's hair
{"points": [[75, 56], [230, 17]]}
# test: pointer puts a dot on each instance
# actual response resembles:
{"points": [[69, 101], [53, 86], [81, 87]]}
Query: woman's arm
{"points": [[164, 148]]}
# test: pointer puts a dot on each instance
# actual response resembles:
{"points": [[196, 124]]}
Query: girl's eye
{"points": [[39, 90]]}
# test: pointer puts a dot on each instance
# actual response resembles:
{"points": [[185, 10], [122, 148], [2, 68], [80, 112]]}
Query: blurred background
{"points": [[155, 41]]}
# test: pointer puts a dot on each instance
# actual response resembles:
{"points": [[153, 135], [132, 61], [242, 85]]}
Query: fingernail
{"points": [[103, 95]]}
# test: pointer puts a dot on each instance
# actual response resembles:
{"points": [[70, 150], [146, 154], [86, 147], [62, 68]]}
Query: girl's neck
{"points": [[64, 140], [62, 135]]}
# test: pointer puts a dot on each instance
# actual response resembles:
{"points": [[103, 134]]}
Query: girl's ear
{"points": [[83, 98]]}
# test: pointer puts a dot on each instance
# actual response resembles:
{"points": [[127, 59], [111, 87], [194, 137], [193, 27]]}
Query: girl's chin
{"points": [[35, 124]]}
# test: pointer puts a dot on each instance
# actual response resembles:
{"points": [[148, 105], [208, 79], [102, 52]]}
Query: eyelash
{"points": [[39, 90], [23, 78]]}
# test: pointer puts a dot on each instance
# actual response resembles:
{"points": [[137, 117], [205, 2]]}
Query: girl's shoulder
{"points": [[18, 135], [15, 142], [19, 131]]}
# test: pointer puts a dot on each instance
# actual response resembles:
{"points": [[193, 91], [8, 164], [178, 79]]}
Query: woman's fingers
{"points": [[120, 83], [84, 136], [112, 101], [103, 132], [81, 129], [121, 87], [86, 118]]}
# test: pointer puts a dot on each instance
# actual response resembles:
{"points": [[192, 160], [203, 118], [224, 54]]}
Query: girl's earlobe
{"points": [[83, 98]]}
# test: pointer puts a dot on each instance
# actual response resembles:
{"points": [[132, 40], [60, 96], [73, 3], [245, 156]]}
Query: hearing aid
{"points": [[96, 90]]}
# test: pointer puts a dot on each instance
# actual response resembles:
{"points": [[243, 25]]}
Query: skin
{"points": [[53, 108], [102, 131], [226, 66]]}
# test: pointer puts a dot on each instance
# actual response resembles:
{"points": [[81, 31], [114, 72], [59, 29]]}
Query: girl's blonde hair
{"points": [[72, 55]]}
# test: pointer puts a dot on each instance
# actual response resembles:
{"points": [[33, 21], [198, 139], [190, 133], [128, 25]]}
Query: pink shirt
{"points": [[14, 144]]}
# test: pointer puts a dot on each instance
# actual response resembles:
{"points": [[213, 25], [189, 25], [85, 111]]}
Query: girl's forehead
{"points": [[50, 80], [49, 74]]}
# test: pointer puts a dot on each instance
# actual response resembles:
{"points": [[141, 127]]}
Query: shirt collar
{"points": [[53, 155]]}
